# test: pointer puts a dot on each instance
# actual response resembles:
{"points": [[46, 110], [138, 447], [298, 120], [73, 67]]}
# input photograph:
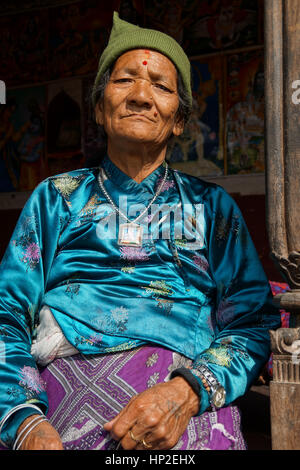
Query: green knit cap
{"points": [[125, 36]]}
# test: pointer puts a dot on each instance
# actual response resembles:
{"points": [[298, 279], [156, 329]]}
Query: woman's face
{"points": [[140, 100]]}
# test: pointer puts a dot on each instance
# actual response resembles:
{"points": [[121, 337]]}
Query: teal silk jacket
{"points": [[206, 297]]}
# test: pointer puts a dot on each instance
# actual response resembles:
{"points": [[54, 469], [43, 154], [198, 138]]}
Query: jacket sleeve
{"points": [[243, 313], [23, 278]]}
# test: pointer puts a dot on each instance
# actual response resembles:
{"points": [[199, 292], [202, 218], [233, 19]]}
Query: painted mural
{"points": [[199, 150], [245, 113], [22, 140], [48, 59], [204, 26]]}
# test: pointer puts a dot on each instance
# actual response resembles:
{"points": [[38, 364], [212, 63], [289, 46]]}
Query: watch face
{"points": [[218, 398]]}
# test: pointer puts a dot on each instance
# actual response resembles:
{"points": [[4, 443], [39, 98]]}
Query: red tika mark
{"points": [[145, 62]]}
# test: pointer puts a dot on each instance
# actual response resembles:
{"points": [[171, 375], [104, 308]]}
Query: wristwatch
{"points": [[215, 390]]}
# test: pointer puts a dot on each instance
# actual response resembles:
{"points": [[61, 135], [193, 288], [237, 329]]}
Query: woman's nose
{"points": [[141, 94]]}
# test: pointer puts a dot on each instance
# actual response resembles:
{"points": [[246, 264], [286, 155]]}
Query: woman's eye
{"points": [[122, 80], [163, 87]]}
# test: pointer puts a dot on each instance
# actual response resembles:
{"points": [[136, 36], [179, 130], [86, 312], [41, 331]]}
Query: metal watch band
{"points": [[215, 390], [209, 377]]}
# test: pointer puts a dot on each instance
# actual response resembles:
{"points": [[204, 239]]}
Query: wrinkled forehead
{"points": [[140, 58]]}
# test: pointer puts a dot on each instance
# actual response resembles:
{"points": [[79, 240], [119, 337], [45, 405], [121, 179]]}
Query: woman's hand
{"points": [[42, 437], [159, 416]]}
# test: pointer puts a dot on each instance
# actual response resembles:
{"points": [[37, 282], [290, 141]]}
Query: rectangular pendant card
{"points": [[130, 235]]}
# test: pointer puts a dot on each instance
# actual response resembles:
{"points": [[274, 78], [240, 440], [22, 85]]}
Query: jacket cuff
{"points": [[196, 384]]}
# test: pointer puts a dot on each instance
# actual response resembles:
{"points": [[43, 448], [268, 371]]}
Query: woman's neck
{"points": [[136, 164]]}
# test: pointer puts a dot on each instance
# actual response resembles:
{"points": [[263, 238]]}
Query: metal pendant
{"points": [[130, 235]]}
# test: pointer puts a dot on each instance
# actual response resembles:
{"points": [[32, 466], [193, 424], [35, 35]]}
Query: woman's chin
{"points": [[138, 138]]}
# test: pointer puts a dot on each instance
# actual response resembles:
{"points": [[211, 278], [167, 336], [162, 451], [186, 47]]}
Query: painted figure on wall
{"points": [[203, 26], [199, 151], [77, 34], [245, 115], [171, 17], [31, 149], [225, 27], [22, 140], [223, 24]]}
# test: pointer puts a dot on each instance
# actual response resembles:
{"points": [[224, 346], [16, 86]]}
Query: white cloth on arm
{"points": [[50, 342]]}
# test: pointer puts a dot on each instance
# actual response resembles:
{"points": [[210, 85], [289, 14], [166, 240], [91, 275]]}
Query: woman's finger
{"points": [[137, 440], [109, 425]]}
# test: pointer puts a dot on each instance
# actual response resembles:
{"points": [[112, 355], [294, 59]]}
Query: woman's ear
{"points": [[178, 127], [99, 113]]}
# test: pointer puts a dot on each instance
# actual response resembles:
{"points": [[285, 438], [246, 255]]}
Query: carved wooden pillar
{"points": [[282, 126]]}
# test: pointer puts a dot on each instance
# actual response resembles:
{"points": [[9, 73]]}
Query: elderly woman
{"points": [[134, 309]]}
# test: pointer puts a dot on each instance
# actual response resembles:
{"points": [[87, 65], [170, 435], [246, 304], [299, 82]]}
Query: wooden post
{"points": [[282, 127]]}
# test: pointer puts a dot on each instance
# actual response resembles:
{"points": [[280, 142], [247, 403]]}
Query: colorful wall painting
{"points": [[199, 150], [204, 26], [78, 34], [22, 140], [56, 42], [245, 112], [172, 17]]}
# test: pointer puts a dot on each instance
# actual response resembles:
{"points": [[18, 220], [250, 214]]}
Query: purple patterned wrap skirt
{"points": [[86, 391]]}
